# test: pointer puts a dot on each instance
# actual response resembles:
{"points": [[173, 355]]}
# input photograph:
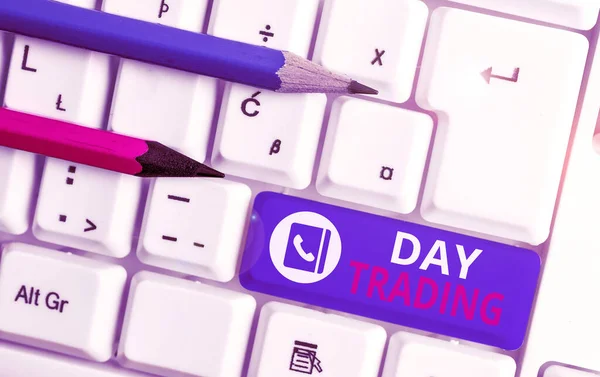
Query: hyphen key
{"points": [[391, 270]]}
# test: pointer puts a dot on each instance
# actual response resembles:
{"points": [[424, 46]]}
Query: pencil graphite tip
{"points": [[357, 88], [205, 171]]}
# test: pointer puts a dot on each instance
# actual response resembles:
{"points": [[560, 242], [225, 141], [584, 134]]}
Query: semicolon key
{"points": [[391, 270]]}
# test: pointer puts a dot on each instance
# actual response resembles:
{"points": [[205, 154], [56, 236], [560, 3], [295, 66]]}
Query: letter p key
{"points": [[164, 8]]}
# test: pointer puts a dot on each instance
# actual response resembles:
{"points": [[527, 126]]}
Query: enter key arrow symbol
{"points": [[488, 75], [91, 227]]}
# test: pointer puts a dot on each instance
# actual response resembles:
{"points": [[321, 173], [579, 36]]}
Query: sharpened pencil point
{"points": [[357, 88], [205, 171]]}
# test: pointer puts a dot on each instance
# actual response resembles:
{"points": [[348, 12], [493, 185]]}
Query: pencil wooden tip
{"points": [[357, 88], [205, 171]]}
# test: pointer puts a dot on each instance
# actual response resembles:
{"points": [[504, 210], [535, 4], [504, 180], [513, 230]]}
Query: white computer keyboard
{"points": [[482, 103]]}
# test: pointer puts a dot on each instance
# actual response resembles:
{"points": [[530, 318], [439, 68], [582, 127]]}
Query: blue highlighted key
{"points": [[390, 270]]}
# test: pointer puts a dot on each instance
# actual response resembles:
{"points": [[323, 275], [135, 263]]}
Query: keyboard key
{"points": [[72, 84], [390, 270], [560, 371], [252, 141], [180, 327], [90, 4], [17, 169], [60, 302], [407, 354], [195, 226], [508, 104], [58, 81], [4, 59], [21, 362], [375, 42], [380, 165], [158, 103], [172, 107], [564, 325], [285, 25], [305, 341], [271, 137], [579, 14], [183, 14], [87, 208]]}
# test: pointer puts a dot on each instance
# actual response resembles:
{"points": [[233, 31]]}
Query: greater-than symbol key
{"points": [[91, 226]]}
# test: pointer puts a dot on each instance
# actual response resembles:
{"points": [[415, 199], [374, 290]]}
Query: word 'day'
{"points": [[390, 270]]}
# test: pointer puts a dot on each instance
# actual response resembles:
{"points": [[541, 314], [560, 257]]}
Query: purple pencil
{"points": [[257, 66], [102, 149]]}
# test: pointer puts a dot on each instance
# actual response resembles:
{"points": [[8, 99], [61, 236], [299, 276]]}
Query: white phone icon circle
{"points": [[309, 257]]}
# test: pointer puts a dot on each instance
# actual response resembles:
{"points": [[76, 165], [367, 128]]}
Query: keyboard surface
{"points": [[445, 228]]}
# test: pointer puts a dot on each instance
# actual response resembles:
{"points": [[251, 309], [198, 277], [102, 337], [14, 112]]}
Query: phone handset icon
{"points": [[309, 257]]}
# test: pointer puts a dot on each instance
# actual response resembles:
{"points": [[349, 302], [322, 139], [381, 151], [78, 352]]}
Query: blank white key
{"points": [[90, 4], [87, 208], [58, 301], [564, 324], [292, 341], [157, 103], [18, 361], [180, 327], [17, 169], [268, 136], [183, 14], [579, 14], [419, 356], [285, 25], [376, 42], [380, 165], [506, 106], [58, 81], [560, 371], [195, 226]]}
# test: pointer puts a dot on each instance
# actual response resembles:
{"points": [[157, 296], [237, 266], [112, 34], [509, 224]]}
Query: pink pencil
{"points": [[102, 149]]}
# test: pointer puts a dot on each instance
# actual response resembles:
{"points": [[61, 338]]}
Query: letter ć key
{"points": [[386, 269]]}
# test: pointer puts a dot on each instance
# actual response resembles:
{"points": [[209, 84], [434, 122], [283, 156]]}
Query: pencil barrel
{"points": [[144, 41], [66, 141]]}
